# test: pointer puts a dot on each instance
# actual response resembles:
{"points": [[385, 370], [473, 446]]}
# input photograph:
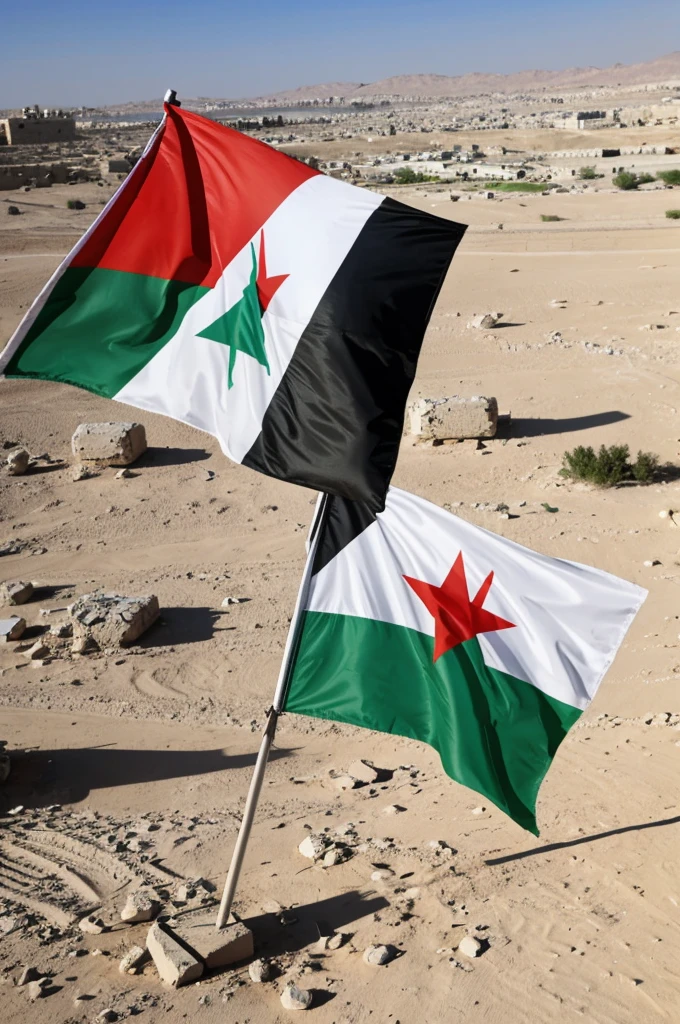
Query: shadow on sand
{"points": [[568, 425]]}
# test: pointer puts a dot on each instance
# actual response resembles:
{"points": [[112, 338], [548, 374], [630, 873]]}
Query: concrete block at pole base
{"points": [[109, 444], [454, 417], [109, 620], [229, 945], [175, 965]]}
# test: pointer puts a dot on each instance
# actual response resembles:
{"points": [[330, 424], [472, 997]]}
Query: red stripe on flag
{"points": [[200, 196]]}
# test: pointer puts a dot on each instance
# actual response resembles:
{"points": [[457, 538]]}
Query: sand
{"points": [[579, 924]]}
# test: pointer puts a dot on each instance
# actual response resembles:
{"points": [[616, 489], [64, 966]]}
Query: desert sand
{"points": [[136, 765]]}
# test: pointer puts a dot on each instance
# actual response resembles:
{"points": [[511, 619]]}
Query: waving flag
{"points": [[420, 624], [238, 290]]}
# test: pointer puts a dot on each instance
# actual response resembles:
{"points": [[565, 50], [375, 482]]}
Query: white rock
{"points": [[484, 321], [345, 782], [363, 771], [378, 955], [259, 970], [312, 846], [294, 998], [17, 462], [12, 628], [382, 874], [15, 592], [133, 959], [109, 444], [470, 946], [92, 925], [140, 905]]}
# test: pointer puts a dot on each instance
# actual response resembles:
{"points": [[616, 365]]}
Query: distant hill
{"points": [[438, 86]]}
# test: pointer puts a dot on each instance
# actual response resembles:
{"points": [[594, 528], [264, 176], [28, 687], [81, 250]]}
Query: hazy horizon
{"points": [[82, 55]]}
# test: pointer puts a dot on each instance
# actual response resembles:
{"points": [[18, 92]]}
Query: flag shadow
{"points": [[551, 847], [40, 778], [570, 424], [312, 920], [182, 626]]}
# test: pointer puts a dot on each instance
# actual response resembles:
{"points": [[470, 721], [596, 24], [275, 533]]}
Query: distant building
{"points": [[34, 128]]}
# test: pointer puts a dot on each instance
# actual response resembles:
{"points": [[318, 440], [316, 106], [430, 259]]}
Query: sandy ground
{"points": [[136, 765]]}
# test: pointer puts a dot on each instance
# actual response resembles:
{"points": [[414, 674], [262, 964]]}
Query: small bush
{"points": [[407, 176], [673, 214], [75, 204], [549, 218], [610, 466], [669, 177], [587, 174], [626, 180]]}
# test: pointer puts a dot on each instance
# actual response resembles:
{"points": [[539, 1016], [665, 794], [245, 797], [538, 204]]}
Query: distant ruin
{"points": [[35, 127]]}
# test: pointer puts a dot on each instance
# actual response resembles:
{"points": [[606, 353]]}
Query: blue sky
{"points": [[76, 51]]}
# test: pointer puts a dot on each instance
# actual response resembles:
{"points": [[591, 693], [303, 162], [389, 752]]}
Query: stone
{"points": [[80, 473], [108, 1015], [17, 462], [109, 444], [363, 771], [313, 846], [332, 857], [110, 620], [454, 418], [175, 965], [229, 945], [381, 875], [37, 652], [484, 321], [335, 941], [123, 474], [344, 782], [259, 970], [36, 989], [377, 956], [393, 809], [470, 946], [479, 810], [12, 628], [15, 592], [294, 998], [141, 905], [92, 925], [28, 974], [13, 211], [133, 959]]}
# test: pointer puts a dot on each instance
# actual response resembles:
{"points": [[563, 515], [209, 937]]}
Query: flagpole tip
{"points": [[171, 98]]}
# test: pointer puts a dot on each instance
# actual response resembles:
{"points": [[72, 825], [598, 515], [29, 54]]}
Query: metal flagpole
{"points": [[272, 716]]}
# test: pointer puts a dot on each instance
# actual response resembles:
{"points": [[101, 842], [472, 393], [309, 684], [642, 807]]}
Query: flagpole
{"points": [[273, 714]]}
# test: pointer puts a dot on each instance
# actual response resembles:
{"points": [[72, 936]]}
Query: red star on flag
{"points": [[267, 286], [456, 617]]}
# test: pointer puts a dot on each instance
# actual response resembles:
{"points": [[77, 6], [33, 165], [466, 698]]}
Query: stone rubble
{"points": [[15, 592], [453, 418], [141, 905], [111, 620], [109, 444]]}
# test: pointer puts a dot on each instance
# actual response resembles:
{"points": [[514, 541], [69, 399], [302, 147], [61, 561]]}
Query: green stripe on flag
{"points": [[494, 733], [98, 328]]}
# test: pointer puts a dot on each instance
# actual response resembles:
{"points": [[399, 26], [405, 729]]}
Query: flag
{"points": [[419, 624], [241, 291]]}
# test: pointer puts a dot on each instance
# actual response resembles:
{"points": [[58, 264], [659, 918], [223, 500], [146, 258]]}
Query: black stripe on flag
{"points": [[336, 419]]}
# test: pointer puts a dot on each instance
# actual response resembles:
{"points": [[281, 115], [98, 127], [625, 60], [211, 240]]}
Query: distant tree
{"points": [[673, 214], [670, 177], [587, 173], [626, 180]]}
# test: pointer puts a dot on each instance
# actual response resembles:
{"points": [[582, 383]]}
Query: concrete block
{"points": [[230, 945], [175, 965], [15, 592], [109, 444], [12, 628], [455, 417], [109, 620]]}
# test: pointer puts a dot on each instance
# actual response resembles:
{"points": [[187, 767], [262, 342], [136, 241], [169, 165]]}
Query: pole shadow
{"points": [[568, 844], [537, 427]]}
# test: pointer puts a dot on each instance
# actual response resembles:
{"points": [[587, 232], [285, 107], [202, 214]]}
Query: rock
{"points": [[108, 1015], [454, 417], [36, 989], [80, 473], [17, 462], [470, 946], [184, 893], [378, 955], [15, 592], [12, 628], [140, 905], [134, 958], [233, 600], [484, 321], [313, 846], [294, 998], [382, 875], [260, 970], [363, 771], [344, 782], [92, 925], [13, 211], [651, 562], [28, 974], [175, 965], [332, 857], [109, 620], [38, 651], [123, 474], [478, 810], [393, 809], [109, 444], [229, 945], [62, 630], [335, 941]]}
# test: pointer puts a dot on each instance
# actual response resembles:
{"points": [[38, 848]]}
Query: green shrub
{"points": [[626, 180], [407, 176], [75, 204], [514, 186], [550, 217], [669, 177], [673, 214], [587, 174], [610, 466]]}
